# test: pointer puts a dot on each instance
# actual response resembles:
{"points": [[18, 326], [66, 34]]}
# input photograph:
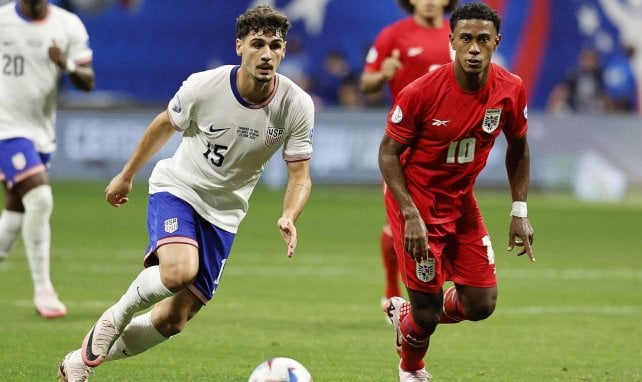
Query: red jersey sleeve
{"points": [[518, 124], [402, 124], [381, 49]]}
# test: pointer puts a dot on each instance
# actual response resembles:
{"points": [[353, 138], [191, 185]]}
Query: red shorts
{"points": [[460, 251]]}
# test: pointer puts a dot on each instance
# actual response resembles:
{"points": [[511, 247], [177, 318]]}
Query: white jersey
{"points": [[28, 78], [227, 142]]}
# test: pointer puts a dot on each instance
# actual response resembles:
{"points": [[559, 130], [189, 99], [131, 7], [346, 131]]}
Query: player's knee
{"points": [[179, 274], [481, 310], [39, 200], [427, 319], [178, 279]]}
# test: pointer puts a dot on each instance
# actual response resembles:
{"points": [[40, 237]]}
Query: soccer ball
{"points": [[280, 369]]}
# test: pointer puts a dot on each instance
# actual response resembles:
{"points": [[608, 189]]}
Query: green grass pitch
{"points": [[574, 315]]}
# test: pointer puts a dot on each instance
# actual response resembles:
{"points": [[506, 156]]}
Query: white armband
{"points": [[519, 210], [70, 66]]}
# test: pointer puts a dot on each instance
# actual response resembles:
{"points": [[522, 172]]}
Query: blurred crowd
{"points": [[594, 87]]}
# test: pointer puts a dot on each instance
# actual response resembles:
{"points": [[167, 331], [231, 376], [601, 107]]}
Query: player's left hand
{"points": [[521, 235], [288, 233], [57, 56]]}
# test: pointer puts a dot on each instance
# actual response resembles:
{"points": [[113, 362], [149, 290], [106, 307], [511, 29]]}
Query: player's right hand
{"points": [[117, 190], [391, 64], [415, 239]]}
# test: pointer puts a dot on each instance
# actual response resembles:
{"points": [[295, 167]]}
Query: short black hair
{"points": [[409, 8], [479, 11], [262, 19]]}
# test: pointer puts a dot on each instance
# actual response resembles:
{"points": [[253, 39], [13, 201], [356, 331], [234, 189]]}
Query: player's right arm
{"points": [[373, 81], [155, 137], [415, 237]]}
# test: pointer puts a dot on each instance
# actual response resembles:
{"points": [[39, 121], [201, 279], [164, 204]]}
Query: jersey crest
{"points": [[491, 120], [18, 161], [274, 136], [171, 225], [426, 270]]}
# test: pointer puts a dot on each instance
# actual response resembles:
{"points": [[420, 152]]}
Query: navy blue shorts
{"points": [[171, 220], [19, 160]]}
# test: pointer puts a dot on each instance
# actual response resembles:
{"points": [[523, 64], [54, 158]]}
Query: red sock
{"points": [[453, 311], [414, 345], [390, 266]]}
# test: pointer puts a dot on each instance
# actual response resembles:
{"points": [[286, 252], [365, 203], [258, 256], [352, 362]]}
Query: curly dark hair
{"points": [[410, 9], [262, 19], [478, 11]]}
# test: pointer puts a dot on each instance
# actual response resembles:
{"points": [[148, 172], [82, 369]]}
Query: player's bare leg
{"points": [[178, 265], [390, 266], [10, 221]]}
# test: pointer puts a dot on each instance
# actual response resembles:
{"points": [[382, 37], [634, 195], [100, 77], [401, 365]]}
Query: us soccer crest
{"points": [[18, 161], [426, 270], [171, 225], [491, 120], [274, 136]]}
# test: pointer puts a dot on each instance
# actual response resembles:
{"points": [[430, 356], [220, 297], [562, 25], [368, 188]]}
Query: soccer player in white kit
{"points": [[38, 43], [233, 119]]}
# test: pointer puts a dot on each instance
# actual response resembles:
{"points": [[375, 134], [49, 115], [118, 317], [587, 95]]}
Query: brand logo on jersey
{"points": [[34, 43], [397, 115], [491, 120], [426, 270], [19, 161], [415, 51], [439, 122], [274, 136], [8, 43], [171, 225], [213, 130], [176, 105]]}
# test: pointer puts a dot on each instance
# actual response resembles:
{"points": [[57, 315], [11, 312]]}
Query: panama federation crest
{"points": [[491, 120], [426, 270]]}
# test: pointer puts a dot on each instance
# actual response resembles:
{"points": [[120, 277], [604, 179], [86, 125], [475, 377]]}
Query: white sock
{"points": [[36, 234], [146, 290], [10, 225], [138, 336]]}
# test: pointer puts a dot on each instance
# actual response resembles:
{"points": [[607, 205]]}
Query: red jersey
{"points": [[449, 133], [421, 50]]}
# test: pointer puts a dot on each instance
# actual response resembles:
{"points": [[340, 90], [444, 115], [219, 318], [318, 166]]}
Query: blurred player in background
{"points": [[233, 119], [401, 53], [438, 137], [38, 43]]}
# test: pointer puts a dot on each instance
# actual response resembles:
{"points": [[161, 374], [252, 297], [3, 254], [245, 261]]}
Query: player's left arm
{"points": [[81, 76], [296, 196], [518, 170]]}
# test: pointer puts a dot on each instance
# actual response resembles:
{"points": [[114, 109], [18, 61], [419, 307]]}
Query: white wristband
{"points": [[70, 66], [519, 210]]}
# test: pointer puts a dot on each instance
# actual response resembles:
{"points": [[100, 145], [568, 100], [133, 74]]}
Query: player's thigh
{"points": [[22, 168], [178, 264], [478, 303], [472, 258]]}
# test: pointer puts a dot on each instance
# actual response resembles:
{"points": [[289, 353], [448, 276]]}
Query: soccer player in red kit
{"points": [[438, 136], [402, 52]]}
